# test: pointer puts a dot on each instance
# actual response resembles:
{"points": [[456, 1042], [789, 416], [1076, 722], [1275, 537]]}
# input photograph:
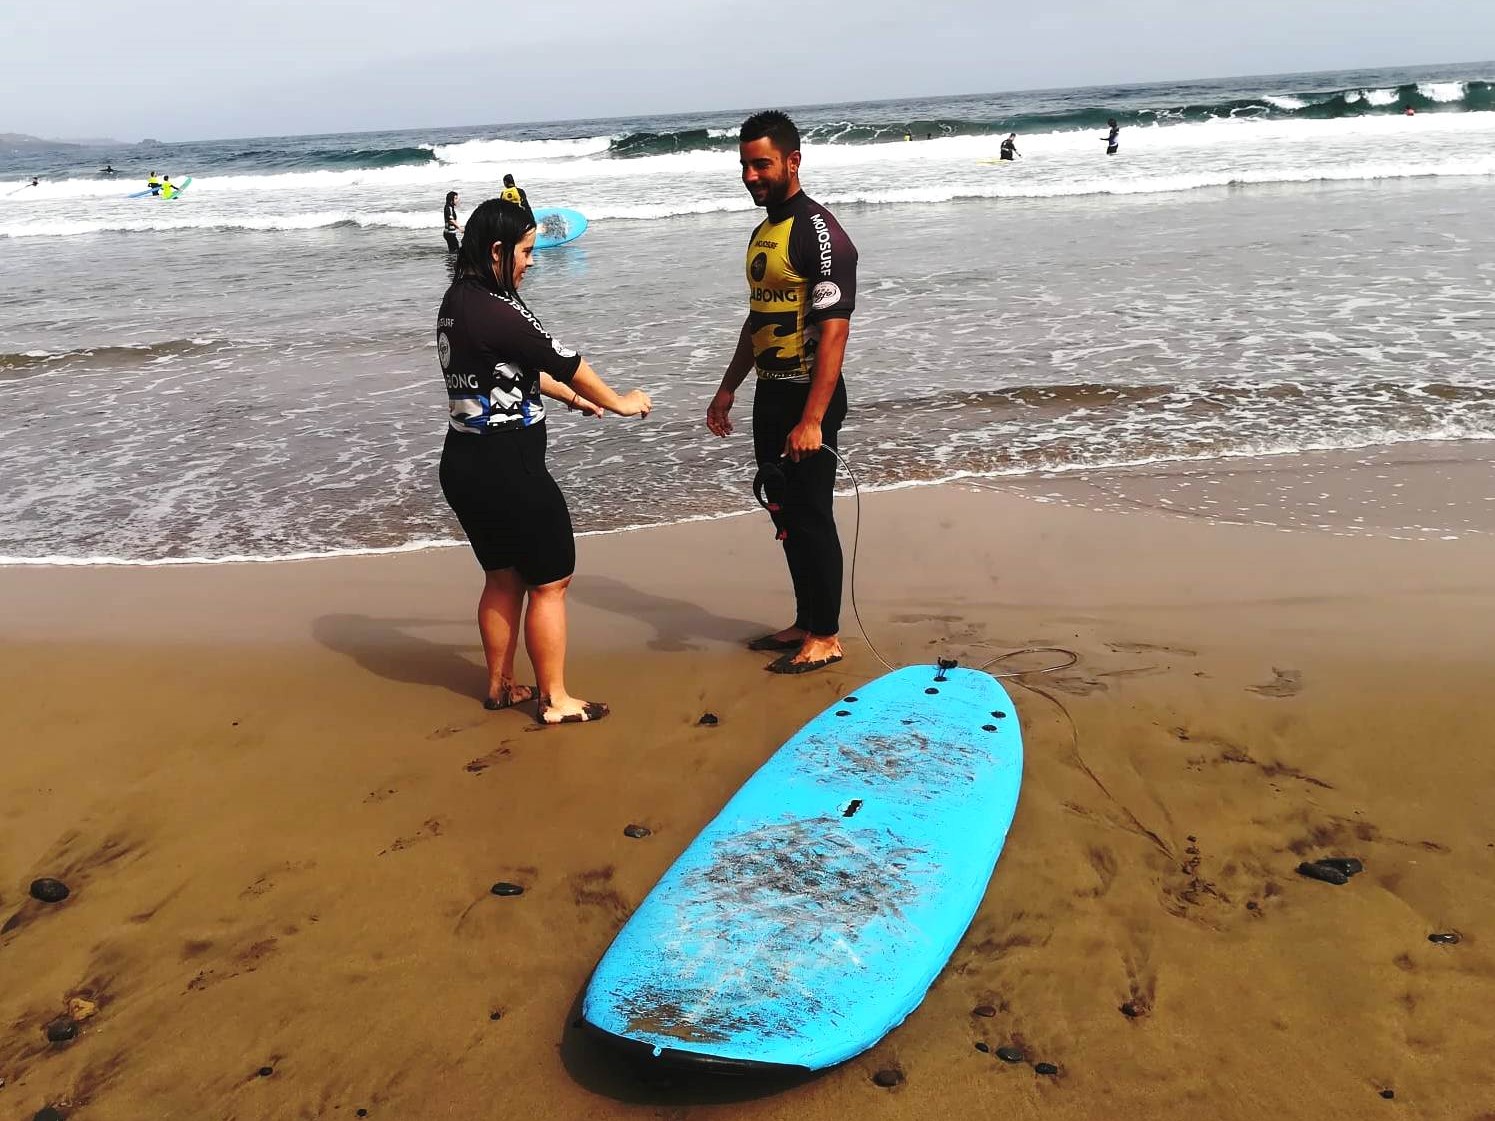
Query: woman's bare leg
{"points": [[545, 639], [498, 622]]}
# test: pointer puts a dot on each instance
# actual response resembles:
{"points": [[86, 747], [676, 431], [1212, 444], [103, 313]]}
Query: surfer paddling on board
{"points": [[801, 279]]}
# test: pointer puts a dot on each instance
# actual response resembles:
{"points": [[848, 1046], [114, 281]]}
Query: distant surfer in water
{"points": [[154, 184], [167, 191], [516, 195], [108, 169], [452, 226], [1112, 138], [1009, 147], [498, 363], [801, 280]]}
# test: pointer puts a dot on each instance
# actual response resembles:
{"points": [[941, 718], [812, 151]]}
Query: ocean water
{"points": [[1270, 267]]}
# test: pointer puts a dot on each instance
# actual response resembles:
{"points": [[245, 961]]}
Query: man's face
{"points": [[769, 176]]}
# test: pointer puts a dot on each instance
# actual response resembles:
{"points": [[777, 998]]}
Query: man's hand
{"points": [[803, 442], [716, 413]]}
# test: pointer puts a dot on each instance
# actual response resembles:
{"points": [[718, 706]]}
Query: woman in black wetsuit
{"points": [[499, 363], [451, 227]]}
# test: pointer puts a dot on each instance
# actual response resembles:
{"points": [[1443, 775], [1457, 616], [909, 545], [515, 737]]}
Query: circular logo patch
{"points": [[759, 266], [826, 293], [443, 349]]}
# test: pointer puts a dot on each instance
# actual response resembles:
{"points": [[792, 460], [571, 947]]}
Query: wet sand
{"points": [[280, 807]]}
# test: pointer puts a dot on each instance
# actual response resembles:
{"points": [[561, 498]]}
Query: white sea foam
{"points": [[1443, 91], [509, 151], [1380, 97], [1286, 101]]}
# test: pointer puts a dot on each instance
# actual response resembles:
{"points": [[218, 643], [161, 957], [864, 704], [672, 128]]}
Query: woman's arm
{"points": [[560, 391], [589, 385]]}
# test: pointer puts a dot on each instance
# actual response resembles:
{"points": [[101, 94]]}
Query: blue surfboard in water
{"points": [[555, 225], [811, 916]]}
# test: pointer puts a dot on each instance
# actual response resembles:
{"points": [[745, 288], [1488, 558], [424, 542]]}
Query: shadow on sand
{"points": [[678, 624], [391, 649]]}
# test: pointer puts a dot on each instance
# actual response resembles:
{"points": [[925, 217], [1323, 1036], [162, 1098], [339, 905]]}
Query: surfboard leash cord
{"points": [[1070, 657]]}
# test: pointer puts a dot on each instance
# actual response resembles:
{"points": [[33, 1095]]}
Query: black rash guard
{"points": [[492, 352], [801, 271]]}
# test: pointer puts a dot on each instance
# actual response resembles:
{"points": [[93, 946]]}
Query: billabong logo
{"points": [[443, 349], [827, 293], [759, 266], [563, 351]]}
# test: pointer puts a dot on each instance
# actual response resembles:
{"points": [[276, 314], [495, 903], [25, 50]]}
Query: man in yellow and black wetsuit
{"points": [[516, 195], [801, 278], [154, 183]]}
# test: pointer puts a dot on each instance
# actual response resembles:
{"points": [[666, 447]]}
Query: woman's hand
{"points": [[635, 403], [583, 406]]}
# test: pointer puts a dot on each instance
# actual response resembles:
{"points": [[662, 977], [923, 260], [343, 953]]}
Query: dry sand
{"points": [[279, 807]]}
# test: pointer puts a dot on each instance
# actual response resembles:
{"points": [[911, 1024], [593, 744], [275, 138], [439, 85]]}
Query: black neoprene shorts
{"points": [[512, 511]]}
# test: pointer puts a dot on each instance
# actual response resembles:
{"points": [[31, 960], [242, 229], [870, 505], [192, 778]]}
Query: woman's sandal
{"points": [[506, 697], [591, 710]]}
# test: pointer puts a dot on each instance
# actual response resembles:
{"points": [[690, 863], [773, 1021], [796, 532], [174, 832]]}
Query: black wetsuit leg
{"points": [[811, 545], [452, 245]]}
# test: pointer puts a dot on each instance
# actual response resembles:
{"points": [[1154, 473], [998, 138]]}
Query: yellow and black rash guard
{"points": [[801, 271]]}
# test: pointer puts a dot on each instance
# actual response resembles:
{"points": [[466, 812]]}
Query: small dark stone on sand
{"points": [[61, 1030], [983, 1048], [49, 891], [983, 1010], [495, 1015], [361, 1112], [1446, 939], [1388, 1094], [1045, 1068], [1251, 906], [1131, 1010], [1322, 872], [1346, 864], [47, 1113], [637, 832], [265, 1072], [1011, 1054], [503, 887], [889, 1078], [708, 719], [1193, 839]]}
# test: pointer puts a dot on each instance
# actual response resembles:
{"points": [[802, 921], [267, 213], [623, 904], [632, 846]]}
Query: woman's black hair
{"points": [[451, 197], [494, 221]]}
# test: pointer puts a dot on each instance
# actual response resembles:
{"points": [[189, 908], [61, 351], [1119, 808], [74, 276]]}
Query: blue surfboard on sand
{"points": [[812, 915], [555, 225]]}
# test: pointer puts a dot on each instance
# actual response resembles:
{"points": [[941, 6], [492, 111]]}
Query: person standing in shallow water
{"points": [[449, 221], [498, 362], [801, 279], [1112, 138]]}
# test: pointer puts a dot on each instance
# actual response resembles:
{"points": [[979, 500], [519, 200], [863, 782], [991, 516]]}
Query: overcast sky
{"points": [[189, 69]]}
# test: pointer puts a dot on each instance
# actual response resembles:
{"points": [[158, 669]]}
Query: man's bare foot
{"points": [[816, 652], [789, 638]]}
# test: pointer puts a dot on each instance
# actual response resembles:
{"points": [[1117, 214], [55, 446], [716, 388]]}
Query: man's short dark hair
{"points": [[776, 126]]}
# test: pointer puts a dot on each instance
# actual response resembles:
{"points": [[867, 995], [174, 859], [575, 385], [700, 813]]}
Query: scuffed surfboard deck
{"points": [[811, 916]]}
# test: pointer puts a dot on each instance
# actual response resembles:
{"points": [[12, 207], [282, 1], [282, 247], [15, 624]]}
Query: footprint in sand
{"points": [[482, 763], [1285, 683], [1149, 648]]}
